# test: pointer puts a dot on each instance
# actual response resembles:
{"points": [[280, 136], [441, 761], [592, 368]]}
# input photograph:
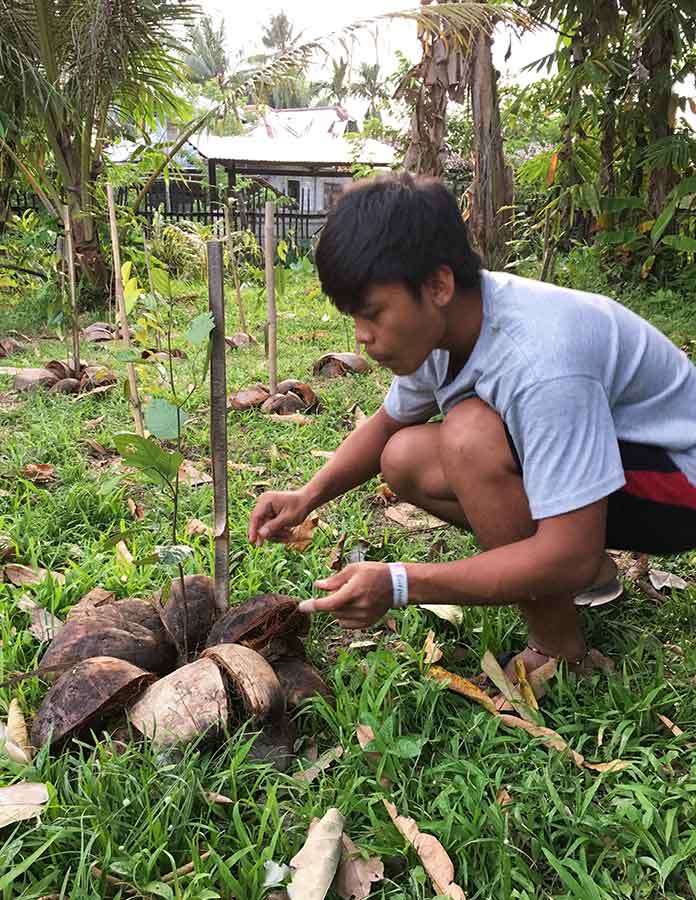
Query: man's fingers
{"points": [[327, 604], [333, 582]]}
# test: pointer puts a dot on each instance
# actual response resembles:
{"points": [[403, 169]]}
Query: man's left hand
{"points": [[360, 594]]}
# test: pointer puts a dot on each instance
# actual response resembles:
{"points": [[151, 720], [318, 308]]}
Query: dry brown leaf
{"points": [[503, 798], [660, 580], [464, 687], [616, 765], [212, 797], [316, 864], [44, 625], [39, 473], [412, 518], [322, 454], [21, 801], [97, 448], [14, 738], [670, 726], [323, 762], [336, 558], [195, 526], [246, 467], [98, 596], [539, 677], [549, 737], [356, 875], [432, 854], [91, 424], [391, 624], [123, 554], [446, 611], [301, 535], [528, 694], [21, 575], [189, 474], [291, 419], [385, 493], [135, 509], [431, 649], [510, 691]]}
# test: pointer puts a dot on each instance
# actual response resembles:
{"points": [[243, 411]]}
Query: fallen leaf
{"points": [[102, 389], [412, 518], [431, 649], [660, 580], [432, 854], [365, 736], [195, 526], [385, 493], [189, 474], [17, 729], [21, 801], [39, 473], [291, 419], [98, 596], [670, 726], [511, 692], [503, 798], [355, 874], [26, 575], [301, 535], [616, 765], [539, 677], [44, 625], [674, 648], [135, 509], [316, 864], [528, 694], [97, 448], [123, 554], [549, 737], [245, 467], [336, 557], [453, 614], [322, 454], [391, 624], [91, 424], [464, 687], [323, 762], [212, 797]]}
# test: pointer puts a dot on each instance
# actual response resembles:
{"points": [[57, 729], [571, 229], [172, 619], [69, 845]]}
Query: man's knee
{"points": [[473, 434], [396, 461]]}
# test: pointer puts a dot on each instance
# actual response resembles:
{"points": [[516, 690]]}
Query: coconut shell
{"points": [[282, 646], [113, 630], [332, 365], [66, 386], [248, 398], [60, 369], [185, 704], [301, 389], [28, 379], [188, 615], [284, 404], [239, 339], [96, 376], [255, 685], [300, 681], [9, 345], [257, 621], [84, 696]]}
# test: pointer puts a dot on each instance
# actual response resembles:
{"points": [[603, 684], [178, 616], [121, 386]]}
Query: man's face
{"points": [[398, 331]]}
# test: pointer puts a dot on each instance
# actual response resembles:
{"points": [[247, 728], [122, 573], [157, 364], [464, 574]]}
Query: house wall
{"points": [[315, 190]]}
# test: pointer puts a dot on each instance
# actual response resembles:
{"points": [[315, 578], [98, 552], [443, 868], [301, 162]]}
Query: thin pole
{"points": [[218, 423], [69, 252], [233, 263], [122, 315], [269, 249]]}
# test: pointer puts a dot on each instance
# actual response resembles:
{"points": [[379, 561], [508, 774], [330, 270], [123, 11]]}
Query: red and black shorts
{"points": [[655, 511]]}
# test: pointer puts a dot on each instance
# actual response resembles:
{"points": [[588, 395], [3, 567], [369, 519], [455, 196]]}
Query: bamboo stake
{"points": [[269, 250], [233, 266], [122, 315], [218, 423], [69, 253]]}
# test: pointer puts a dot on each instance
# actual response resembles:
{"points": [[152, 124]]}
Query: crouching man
{"points": [[569, 423]]}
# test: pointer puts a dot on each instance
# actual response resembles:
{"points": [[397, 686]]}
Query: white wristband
{"points": [[399, 585]]}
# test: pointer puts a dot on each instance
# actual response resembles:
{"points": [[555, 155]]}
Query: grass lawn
{"points": [[141, 813]]}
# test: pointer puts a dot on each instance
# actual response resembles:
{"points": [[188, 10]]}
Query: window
{"points": [[332, 190], [294, 189]]}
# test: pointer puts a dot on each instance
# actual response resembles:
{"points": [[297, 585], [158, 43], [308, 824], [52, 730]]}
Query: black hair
{"points": [[394, 228]]}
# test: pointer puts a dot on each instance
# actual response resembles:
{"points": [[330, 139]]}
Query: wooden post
{"points": [[269, 249], [70, 257], [218, 423], [233, 264], [121, 308]]}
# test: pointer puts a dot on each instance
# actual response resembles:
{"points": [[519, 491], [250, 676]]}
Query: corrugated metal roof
{"points": [[315, 150]]}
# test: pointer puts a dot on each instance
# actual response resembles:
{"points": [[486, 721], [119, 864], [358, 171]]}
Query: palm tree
{"points": [[371, 87], [207, 58], [338, 87], [279, 35], [80, 65]]}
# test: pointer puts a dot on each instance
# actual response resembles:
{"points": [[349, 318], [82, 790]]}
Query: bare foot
{"points": [[533, 660]]}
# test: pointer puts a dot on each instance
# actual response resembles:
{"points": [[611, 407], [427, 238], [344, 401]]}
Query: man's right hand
{"points": [[275, 513]]}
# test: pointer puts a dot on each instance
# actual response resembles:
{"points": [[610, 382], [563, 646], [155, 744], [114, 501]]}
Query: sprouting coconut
{"points": [[257, 621], [333, 365], [189, 614]]}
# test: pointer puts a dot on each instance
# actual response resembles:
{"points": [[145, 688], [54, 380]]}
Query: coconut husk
{"points": [[300, 681], [84, 696], [96, 376], [98, 331], [66, 386], [257, 694], [333, 365], [282, 646], [283, 404], [60, 369], [114, 630], [248, 398], [29, 379], [9, 345], [301, 389], [189, 614], [257, 621], [182, 706], [239, 339]]}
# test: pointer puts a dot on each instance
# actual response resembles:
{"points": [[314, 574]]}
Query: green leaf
{"points": [[200, 328], [126, 270], [680, 242], [128, 356], [161, 281], [173, 554], [147, 455], [280, 277], [131, 292], [10, 877], [409, 746], [159, 889], [663, 221], [685, 187], [164, 420]]}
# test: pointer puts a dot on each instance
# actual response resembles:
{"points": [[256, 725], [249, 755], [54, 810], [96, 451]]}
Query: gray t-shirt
{"points": [[570, 374]]}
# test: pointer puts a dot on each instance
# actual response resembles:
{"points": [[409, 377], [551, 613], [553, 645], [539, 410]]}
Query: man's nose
{"points": [[362, 334]]}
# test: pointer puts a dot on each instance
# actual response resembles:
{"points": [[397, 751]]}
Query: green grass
{"points": [[139, 813]]}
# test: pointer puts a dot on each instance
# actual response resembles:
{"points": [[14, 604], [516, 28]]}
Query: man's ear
{"points": [[439, 286]]}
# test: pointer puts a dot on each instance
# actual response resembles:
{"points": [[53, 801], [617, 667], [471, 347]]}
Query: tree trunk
{"points": [[492, 190], [656, 56]]}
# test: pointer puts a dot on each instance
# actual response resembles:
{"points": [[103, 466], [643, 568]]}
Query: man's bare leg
{"points": [[464, 472]]}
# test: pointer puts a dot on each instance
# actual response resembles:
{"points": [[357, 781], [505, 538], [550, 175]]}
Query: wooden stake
{"points": [[218, 423], [269, 249], [122, 315], [69, 253], [233, 266]]}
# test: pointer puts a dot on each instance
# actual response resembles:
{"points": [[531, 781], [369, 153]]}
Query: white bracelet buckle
{"points": [[399, 585]]}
